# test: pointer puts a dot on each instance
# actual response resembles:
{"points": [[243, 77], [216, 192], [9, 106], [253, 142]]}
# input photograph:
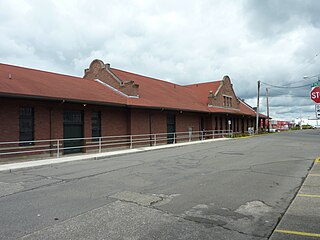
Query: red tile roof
{"points": [[36, 83], [247, 109], [202, 89], [162, 94], [153, 93]]}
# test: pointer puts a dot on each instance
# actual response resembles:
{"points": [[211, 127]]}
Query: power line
{"points": [[308, 78], [275, 86], [285, 93], [310, 60]]}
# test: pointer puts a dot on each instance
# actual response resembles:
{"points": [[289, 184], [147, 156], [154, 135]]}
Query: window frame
{"points": [[26, 126], [227, 101]]}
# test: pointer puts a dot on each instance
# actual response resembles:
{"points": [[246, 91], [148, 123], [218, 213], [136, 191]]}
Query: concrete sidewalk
{"points": [[302, 219], [36, 163]]}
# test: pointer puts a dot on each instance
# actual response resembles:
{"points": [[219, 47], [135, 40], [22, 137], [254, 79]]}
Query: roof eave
{"points": [[70, 100]]}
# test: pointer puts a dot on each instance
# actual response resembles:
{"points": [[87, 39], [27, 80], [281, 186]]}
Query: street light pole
{"points": [[257, 111], [267, 94]]}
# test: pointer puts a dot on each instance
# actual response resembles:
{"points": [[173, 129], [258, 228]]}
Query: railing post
{"points": [[155, 140], [190, 136], [99, 144], [58, 148], [174, 137], [201, 135], [212, 134], [130, 141]]}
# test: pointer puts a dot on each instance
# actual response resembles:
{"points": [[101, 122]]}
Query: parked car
{"points": [[274, 130]]}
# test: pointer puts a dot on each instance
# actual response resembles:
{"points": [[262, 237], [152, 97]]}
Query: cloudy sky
{"points": [[275, 41]]}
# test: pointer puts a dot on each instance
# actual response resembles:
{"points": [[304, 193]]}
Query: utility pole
{"points": [[257, 118], [267, 93]]}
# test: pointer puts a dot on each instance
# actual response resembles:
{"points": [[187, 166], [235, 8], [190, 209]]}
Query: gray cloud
{"points": [[273, 17], [184, 42]]}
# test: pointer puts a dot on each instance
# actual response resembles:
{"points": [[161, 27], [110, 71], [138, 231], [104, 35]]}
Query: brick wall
{"points": [[159, 121], [186, 120], [9, 120], [140, 121], [114, 121], [41, 122], [57, 123]]}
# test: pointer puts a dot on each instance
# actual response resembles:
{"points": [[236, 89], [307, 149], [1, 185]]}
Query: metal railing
{"points": [[58, 147]]}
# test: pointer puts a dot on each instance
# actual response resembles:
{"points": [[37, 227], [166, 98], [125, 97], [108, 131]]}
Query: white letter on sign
{"points": [[314, 95]]}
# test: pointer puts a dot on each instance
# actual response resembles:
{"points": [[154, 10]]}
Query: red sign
{"points": [[315, 94]]}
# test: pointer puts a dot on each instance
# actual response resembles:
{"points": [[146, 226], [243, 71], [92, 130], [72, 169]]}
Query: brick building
{"points": [[38, 105]]}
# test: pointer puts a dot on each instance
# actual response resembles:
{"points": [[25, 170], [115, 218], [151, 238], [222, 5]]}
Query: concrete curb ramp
{"points": [[32, 164], [302, 219]]}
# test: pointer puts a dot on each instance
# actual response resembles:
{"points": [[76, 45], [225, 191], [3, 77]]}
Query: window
{"points": [[26, 126], [227, 101], [72, 117], [171, 128], [96, 125]]}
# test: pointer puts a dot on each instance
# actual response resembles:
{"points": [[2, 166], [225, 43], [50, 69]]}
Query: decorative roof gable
{"points": [[224, 96], [99, 70]]}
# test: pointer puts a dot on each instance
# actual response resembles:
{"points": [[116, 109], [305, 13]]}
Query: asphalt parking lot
{"points": [[235, 189]]}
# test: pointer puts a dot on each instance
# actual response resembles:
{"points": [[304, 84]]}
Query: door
{"points": [[242, 125], [202, 127], [171, 128], [73, 130]]}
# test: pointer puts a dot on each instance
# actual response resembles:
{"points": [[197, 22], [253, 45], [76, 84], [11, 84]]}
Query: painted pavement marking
{"points": [[298, 233], [308, 195], [314, 175]]}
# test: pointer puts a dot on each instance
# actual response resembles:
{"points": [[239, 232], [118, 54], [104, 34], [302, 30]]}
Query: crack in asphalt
{"points": [[66, 180], [197, 220], [207, 221], [42, 176], [34, 188], [61, 221], [105, 172], [61, 180]]}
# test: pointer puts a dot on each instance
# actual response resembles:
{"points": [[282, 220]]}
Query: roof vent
{"points": [[10, 76]]}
